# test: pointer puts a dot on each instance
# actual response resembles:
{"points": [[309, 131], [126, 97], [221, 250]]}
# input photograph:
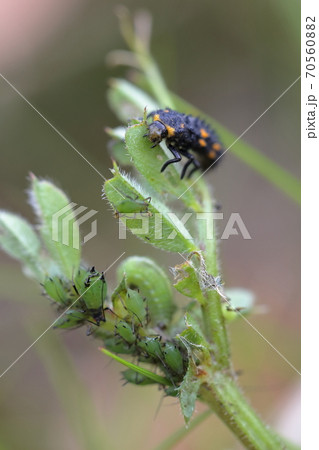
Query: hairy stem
{"points": [[221, 391], [227, 401], [214, 321]]}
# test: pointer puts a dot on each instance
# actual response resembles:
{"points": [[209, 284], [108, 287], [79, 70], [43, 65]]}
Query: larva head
{"points": [[156, 132]]}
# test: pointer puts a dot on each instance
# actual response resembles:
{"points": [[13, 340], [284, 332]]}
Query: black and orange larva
{"points": [[183, 135]]}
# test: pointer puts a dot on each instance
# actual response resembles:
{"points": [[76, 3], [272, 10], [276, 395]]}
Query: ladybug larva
{"points": [[183, 135]]}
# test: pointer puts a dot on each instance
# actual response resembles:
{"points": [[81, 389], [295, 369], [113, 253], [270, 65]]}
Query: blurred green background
{"points": [[232, 60]]}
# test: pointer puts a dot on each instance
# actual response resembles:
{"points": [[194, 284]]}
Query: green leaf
{"points": [[59, 229], [128, 101], [188, 391], [194, 340], [19, 240], [149, 161], [152, 283], [138, 369], [154, 223], [117, 147], [186, 281]]}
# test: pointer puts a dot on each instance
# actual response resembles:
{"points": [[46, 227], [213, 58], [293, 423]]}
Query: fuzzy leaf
{"points": [[148, 161], [127, 101], [188, 391], [116, 146], [19, 240], [152, 283], [59, 229], [194, 341], [153, 222], [186, 281]]}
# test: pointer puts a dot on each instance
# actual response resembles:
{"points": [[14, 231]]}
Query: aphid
{"points": [[135, 304], [133, 206], [151, 346], [126, 332], [131, 376], [184, 134], [153, 284], [173, 358], [117, 345], [92, 288], [56, 289], [70, 319], [172, 391]]}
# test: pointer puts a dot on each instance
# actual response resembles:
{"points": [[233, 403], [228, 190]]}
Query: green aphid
{"points": [[70, 319], [126, 332], [56, 289], [131, 376], [110, 320], [115, 345], [153, 284], [172, 391], [135, 304], [152, 347], [173, 358], [132, 206], [92, 288]]}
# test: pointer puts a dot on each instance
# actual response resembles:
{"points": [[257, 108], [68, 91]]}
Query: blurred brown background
{"points": [[231, 59]]}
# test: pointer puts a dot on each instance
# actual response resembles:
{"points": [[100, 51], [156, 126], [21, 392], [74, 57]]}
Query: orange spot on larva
{"points": [[182, 126], [170, 131], [216, 146], [202, 142], [156, 117], [166, 110], [212, 154], [204, 133]]}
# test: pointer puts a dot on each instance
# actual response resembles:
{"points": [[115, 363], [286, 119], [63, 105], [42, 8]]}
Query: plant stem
{"points": [[212, 310], [225, 398], [221, 391]]}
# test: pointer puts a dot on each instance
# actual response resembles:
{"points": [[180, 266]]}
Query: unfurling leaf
{"points": [[153, 284], [188, 391], [186, 281]]}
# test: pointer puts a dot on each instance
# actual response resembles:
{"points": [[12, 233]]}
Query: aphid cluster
{"points": [[183, 135], [82, 298], [137, 332], [134, 321]]}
